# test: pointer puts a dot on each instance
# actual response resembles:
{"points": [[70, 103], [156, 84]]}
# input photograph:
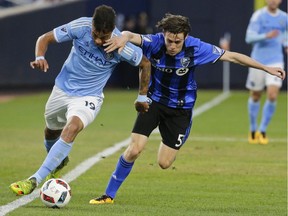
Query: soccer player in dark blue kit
{"points": [[174, 55]]}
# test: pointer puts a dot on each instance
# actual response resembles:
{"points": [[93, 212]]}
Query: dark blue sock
{"points": [[123, 169]]}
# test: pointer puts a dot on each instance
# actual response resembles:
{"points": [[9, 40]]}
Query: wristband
{"points": [[39, 58], [142, 98]]}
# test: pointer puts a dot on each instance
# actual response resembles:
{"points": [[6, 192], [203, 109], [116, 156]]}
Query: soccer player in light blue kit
{"points": [[77, 96], [174, 56], [267, 32]]}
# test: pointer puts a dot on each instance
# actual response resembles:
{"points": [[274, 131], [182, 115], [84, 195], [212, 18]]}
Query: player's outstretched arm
{"points": [[141, 103], [244, 60], [40, 49], [119, 42]]}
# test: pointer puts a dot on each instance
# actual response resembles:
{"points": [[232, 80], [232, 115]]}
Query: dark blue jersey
{"points": [[172, 77]]}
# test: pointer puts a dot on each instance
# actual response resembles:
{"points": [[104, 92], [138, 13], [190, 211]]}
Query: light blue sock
{"points": [[49, 143], [57, 153], [267, 113], [123, 168], [253, 110]]}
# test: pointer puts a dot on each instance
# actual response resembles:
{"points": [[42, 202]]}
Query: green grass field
{"points": [[216, 172]]}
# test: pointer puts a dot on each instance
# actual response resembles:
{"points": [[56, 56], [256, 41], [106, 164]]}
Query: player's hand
{"points": [[40, 64], [279, 72], [272, 34], [114, 43], [141, 107]]}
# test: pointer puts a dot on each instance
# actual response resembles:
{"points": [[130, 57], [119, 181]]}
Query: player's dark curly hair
{"points": [[175, 24], [104, 19]]}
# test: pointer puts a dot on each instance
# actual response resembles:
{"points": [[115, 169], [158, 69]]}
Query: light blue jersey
{"points": [[267, 51], [88, 67]]}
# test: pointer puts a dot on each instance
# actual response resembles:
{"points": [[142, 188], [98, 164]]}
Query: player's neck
{"points": [[272, 10]]}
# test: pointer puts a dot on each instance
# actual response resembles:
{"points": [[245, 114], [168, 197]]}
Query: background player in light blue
{"points": [[267, 32], [174, 55], [77, 95]]}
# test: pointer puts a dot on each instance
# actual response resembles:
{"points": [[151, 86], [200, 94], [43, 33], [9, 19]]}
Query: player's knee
{"points": [[70, 132], [132, 152], [272, 97], [74, 128], [256, 96], [164, 164]]}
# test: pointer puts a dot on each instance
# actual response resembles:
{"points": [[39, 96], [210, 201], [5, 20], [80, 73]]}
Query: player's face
{"points": [[273, 4], [173, 43], [100, 37]]}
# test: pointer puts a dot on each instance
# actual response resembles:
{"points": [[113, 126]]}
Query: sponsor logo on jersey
{"points": [[94, 58], [182, 71], [63, 29], [185, 61], [179, 71], [156, 60], [109, 56], [166, 70], [147, 38], [217, 50]]}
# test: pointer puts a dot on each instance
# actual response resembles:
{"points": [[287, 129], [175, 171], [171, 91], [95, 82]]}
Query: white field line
{"points": [[88, 163]]}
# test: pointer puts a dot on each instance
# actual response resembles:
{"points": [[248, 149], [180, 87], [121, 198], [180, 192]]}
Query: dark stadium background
{"points": [[209, 19]]}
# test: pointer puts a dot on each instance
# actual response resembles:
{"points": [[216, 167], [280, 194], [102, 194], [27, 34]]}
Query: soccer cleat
{"points": [[24, 187], [262, 138], [253, 138], [56, 173], [102, 200]]}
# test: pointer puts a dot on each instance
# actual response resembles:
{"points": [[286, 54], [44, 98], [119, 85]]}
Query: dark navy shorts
{"points": [[174, 124]]}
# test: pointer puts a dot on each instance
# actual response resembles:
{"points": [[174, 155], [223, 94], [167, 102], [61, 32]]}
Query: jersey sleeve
{"points": [[72, 30], [253, 30], [207, 53], [150, 43], [131, 54]]}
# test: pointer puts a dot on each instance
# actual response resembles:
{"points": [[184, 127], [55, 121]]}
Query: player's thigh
{"points": [[146, 122], [55, 109], [272, 92], [86, 108], [255, 80], [136, 146], [271, 80], [166, 156], [175, 126], [138, 141]]}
